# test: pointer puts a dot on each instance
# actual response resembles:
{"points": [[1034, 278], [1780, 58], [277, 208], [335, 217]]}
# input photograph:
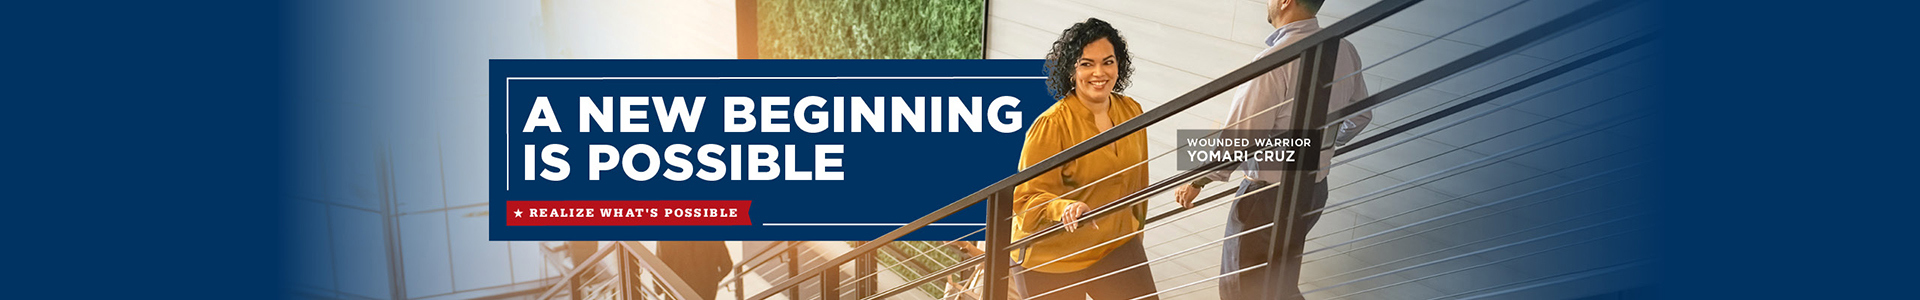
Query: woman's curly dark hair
{"points": [[1072, 43]]}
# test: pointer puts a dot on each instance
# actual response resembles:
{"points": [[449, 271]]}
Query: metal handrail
{"points": [[652, 263], [999, 192], [1348, 26], [644, 262], [937, 275], [576, 272], [748, 264], [1585, 14]]}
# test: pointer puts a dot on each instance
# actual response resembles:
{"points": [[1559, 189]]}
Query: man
{"points": [[1293, 20]]}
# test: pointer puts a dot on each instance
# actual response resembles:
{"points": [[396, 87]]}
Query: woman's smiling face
{"points": [[1094, 74]]}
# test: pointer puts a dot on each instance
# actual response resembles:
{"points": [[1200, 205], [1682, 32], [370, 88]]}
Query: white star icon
{"points": [[516, 214]]}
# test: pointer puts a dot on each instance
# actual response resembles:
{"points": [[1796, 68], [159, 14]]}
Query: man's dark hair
{"points": [[1073, 42], [1313, 6]]}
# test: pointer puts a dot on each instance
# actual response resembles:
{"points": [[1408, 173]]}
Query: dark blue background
{"points": [[890, 177], [130, 117], [142, 151], [1787, 166]]}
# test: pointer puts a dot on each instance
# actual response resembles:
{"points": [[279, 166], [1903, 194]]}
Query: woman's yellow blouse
{"points": [[1064, 125]]}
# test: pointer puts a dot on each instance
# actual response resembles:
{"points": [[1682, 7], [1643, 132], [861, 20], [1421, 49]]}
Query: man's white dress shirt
{"points": [[1278, 87]]}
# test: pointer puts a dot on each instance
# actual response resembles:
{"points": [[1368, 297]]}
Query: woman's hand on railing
{"points": [[1070, 217], [968, 247], [1185, 194]]}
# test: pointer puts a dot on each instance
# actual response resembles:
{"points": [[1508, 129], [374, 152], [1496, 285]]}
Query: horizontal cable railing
{"points": [[1314, 53], [632, 263], [1001, 191]]}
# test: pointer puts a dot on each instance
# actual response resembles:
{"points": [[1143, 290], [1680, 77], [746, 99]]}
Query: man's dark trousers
{"points": [[1280, 280]]}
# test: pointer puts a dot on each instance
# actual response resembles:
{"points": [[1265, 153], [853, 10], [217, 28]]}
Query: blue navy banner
{"points": [[751, 149]]}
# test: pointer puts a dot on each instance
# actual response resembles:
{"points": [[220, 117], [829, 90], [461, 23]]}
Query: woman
{"points": [[1087, 68]]}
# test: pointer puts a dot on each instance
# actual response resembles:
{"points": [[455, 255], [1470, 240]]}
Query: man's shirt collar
{"points": [[1280, 34]]}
